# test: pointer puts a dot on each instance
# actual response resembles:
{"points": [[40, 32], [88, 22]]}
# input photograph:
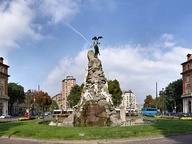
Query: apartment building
{"points": [[187, 84], [129, 101], [67, 85], [58, 99], [4, 98]]}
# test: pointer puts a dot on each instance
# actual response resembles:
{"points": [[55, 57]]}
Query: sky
{"points": [[144, 41]]}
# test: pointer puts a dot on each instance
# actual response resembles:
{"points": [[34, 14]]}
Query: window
{"points": [[188, 79], [1, 81], [1, 69], [1, 92], [188, 67]]}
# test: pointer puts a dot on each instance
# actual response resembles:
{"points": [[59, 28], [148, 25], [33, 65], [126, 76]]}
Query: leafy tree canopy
{"points": [[40, 98], [173, 94], [115, 91], [75, 95], [16, 93], [149, 102], [43, 98], [53, 105]]}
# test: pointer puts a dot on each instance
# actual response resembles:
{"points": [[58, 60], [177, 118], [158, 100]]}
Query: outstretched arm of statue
{"points": [[94, 44]]}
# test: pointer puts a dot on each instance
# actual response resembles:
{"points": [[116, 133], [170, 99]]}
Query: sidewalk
{"points": [[172, 139]]}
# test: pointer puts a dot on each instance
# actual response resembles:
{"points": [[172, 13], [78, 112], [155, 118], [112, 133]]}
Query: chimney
{"points": [[189, 56], [1, 59]]}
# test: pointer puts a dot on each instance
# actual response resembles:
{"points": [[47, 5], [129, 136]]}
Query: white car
{"points": [[5, 116], [47, 113]]}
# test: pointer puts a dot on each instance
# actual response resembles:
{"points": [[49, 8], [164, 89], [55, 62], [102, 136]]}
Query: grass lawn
{"points": [[30, 129]]}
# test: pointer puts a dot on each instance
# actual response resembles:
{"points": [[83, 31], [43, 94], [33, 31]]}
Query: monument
{"points": [[95, 106]]}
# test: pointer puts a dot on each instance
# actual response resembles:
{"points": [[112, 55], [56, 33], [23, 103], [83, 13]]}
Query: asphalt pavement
{"points": [[172, 139]]}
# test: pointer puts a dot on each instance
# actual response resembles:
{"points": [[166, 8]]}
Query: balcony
{"points": [[185, 95]]}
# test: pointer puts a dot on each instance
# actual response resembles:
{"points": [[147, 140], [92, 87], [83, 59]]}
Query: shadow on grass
{"points": [[14, 133], [175, 130], [5, 128]]}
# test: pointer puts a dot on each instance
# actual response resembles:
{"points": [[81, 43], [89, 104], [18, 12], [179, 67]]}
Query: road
{"points": [[174, 139]]}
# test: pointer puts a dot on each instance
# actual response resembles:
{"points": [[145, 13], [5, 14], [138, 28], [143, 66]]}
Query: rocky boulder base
{"points": [[95, 106]]}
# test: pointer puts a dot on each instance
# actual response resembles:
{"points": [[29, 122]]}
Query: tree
{"points": [[173, 94], [16, 94], [149, 102], [115, 91], [159, 101], [42, 99], [53, 105], [75, 95]]}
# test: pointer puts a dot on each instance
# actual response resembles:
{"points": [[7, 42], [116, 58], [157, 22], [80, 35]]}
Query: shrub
{"points": [[22, 119], [186, 118], [5, 121], [164, 116]]}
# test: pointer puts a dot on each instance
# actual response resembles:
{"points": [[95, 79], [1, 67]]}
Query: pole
{"points": [[38, 99], [161, 93], [156, 95], [163, 100], [28, 101], [175, 105], [163, 104]]}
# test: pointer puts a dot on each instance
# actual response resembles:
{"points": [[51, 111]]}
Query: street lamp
{"points": [[28, 95], [162, 94], [174, 105]]}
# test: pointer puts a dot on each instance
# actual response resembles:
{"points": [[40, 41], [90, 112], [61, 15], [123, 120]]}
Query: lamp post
{"points": [[38, 110], [162, 94], [34, 105], [174, 105], [28, 94]]}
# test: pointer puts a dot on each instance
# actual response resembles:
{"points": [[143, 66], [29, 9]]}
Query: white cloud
{"points": [[167, 36], [133, 66], [16, 24], [169, 44], [67, 67], [19, 20], [136, 67], [59, 10]]}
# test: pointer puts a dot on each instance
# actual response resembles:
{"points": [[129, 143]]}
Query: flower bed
{"points": [[186, 118], [164, 116], [22, 119], [4, 121]]}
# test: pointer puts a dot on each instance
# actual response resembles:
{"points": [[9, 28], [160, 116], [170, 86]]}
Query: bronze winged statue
{"points": [[95, 45]]}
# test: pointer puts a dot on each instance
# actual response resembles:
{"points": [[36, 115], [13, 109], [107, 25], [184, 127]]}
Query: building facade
{"points": [[187, 84], [4, 98], [58, 100], [67, 85], [129, 101]]}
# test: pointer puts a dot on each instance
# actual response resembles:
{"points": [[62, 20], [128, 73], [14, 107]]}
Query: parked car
{"points": [[5, 116], [25, 115], [47, 113]]}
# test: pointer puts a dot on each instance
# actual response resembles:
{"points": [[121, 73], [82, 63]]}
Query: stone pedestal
{"points": [[122, 114]]}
